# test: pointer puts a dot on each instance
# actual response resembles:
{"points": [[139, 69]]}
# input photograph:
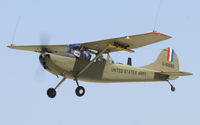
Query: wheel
{"points": [[173, 88], [51, 92], [80, 91]]}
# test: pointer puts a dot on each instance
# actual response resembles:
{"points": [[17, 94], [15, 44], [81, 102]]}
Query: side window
{"points": [[76, 53]]}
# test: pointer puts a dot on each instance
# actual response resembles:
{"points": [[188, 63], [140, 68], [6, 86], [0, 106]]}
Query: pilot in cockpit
{"points": [[85, 53]]}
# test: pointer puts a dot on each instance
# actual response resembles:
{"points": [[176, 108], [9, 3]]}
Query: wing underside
{"points": [[127, 42], [38, 48]]}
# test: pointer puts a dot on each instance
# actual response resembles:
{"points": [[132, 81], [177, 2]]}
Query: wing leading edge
{"points": [[116, 44], [38, 48]]}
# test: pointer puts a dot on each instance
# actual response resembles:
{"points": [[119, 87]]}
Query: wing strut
{"points": [[89, 64], [120, 48]]}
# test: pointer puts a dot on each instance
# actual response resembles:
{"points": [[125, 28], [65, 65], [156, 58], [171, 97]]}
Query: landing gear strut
{"points": [[80, 90], [51, 92], [172, 87]]}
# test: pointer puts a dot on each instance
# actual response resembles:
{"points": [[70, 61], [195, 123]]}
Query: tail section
{"points": [[166, 66], [167, 61]]}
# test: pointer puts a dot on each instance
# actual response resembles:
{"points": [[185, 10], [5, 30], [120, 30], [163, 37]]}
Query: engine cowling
{"points": [[43, 58]]}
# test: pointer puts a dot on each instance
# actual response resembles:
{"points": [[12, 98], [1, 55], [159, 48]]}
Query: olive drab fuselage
{"points": [[100, 71]]}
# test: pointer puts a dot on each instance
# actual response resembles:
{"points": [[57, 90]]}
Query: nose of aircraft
{"points": [[43, 59]]}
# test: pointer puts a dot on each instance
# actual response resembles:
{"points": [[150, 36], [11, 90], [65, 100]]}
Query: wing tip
{"points": [[162, 34], [11, 46], [156, 32]]}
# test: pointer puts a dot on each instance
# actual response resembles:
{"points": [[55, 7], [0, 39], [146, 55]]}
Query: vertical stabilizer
{"points": [[167, 61]]}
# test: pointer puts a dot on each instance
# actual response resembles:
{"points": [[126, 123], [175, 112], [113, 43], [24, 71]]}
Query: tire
{"points": [[80, 91], [173, 89], [51, 92]]}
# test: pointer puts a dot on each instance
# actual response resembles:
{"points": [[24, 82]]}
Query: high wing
{"points": [[116, 44], [38, 48], [127, 42]]}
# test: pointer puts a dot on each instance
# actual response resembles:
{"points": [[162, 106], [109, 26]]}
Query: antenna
{"points": [[157, 15], [15, 30]]}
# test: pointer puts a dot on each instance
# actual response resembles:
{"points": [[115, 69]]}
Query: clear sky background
{"points": [[23, 99]]}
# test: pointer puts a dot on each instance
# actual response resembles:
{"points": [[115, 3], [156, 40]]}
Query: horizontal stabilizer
{"points": [[175, 73]]}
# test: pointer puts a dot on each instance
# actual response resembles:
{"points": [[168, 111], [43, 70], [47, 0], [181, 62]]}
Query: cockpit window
{"points": [[74, 47], [73, 50]]}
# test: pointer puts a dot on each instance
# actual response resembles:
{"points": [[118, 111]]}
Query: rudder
{"points": [[167, 61]]}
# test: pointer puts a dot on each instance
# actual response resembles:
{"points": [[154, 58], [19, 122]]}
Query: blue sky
{"points": [[23, 93]]}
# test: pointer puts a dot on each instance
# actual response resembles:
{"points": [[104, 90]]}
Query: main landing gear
{"points": [[172, 87], [80, 91], [51, 92]]}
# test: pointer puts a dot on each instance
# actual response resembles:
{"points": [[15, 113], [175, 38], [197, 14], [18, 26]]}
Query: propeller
{"points": [[44, 40], [40, 74]]}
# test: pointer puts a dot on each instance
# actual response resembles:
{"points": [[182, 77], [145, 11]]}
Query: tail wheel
{"points": [[173, 88], [80, 91]]}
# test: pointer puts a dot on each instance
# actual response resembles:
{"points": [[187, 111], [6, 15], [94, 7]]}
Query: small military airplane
{"points": [[85, 61]]}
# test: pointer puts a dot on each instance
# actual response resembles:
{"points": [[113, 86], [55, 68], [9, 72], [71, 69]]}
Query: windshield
{"points": [[72, 47], [73, 50]]}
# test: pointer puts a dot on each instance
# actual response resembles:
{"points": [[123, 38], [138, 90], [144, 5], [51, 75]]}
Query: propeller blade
{"points": [[39, 74], [44, 40]]}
